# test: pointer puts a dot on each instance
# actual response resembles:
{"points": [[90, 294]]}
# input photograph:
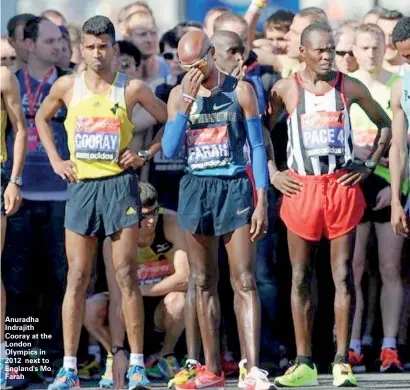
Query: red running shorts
{"points": [[323, 207]]}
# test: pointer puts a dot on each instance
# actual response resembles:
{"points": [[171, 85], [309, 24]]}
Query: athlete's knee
{"points": [[78, 278], [343, 277], [245, 282], [95, 314], [389, 271], [300, 280], [205, 281], [175, 303]]}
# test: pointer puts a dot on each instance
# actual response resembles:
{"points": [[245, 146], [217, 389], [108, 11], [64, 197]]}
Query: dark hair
{"points": [[148, 194], [280, 20], [316, 15], [390, 14], [16, 21], [170, 38], [131, 50], [99, 25], [320, 27], [401, 31], [32, 28]]}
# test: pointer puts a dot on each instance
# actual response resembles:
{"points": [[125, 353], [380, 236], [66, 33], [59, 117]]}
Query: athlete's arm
{"points": [[397, 157], [51, 104], [249, 103], [357, 92], [286, 184], [10, 90], [178, 281], [178, 110], [140, 92]]}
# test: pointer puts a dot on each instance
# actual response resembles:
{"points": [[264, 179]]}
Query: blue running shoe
{"points": [[65, 380], [137, 378], [3, 379]]}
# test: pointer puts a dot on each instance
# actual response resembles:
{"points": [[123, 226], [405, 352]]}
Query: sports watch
{"points": [[18, 181], [144, 155], [370, 165], [115, 349]]}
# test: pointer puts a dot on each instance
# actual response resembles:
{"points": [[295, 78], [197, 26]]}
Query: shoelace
{"points": [[391, 356], [293, 367]]}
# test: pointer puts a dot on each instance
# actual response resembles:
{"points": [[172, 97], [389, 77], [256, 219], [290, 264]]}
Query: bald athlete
{"points": [[216, 195]]}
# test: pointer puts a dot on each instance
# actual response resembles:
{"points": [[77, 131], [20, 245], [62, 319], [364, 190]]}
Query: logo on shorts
{"points": [[240, 212], [131, 211]]}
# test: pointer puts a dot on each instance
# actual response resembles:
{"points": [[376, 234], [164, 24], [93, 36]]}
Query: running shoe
{"points": [[257, 379], [228, 363], [298, 375], [188, 371], [90, 371], [204, 380], [107, 381], [356, 362], [168, 366], [390, 361], [343, 375], [65, 379], [243, 371], [137, 378]]}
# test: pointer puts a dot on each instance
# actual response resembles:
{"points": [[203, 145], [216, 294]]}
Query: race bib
{"points": [[32, 135], [97, 139], [151, 273], [323, 133], [208, 148]]}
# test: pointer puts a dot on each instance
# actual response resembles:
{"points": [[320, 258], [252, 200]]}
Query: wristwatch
{"points": [[370, 164], [144, 155], [18, 181], [115, 349]]}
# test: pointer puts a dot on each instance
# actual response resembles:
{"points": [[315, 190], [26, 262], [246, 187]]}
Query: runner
{"points": [[400, 104], [103, 190], [10, 188], [163, 274], [216, 195], [369, 50], [321, 172]]}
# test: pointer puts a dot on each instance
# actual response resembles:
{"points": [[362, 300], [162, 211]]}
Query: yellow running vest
{"points": [[98, 128], [3, 124]]}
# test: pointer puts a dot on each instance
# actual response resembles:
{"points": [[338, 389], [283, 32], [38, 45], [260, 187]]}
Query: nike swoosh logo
{"points": [[215, 107], [239, 212]]}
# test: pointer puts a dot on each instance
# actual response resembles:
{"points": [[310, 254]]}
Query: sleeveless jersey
{"points": [[40, 180], [319, 133], [216, 134], [3, 124], [364, 130], [154, 263], [98, 128], [405, 104]]}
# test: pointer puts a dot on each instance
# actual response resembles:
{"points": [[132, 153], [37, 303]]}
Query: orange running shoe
{"points": [[390, 361], [204, 380], [356, 362]]}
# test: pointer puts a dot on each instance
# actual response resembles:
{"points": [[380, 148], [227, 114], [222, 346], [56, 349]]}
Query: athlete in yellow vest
{"points": [[369, 50], [10, 188], [103, 190], [162, 274]]}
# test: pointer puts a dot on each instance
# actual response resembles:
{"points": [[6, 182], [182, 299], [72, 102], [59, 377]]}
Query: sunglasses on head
{"points": [[153, 213], [342, 53], [200, 64]]}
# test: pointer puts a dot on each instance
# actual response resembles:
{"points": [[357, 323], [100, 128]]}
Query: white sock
{"points": [[95, 350], [70, 362], [356, 345], [367, 340], [137, 359], [3, 350], [389, 342]]}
